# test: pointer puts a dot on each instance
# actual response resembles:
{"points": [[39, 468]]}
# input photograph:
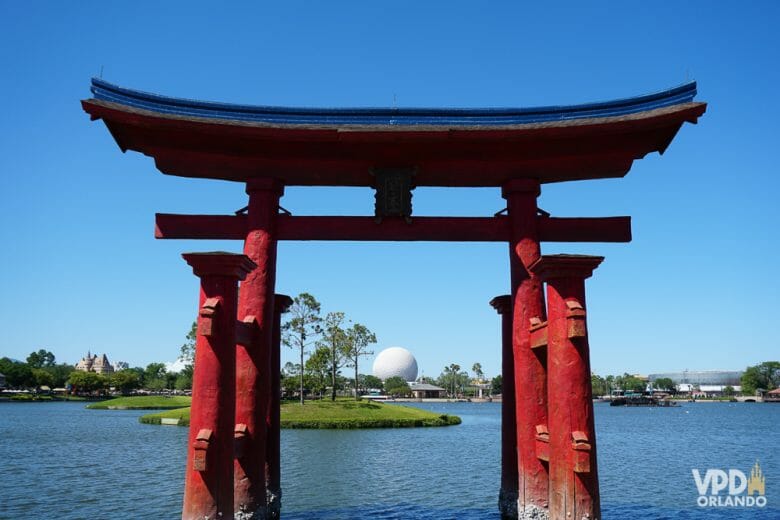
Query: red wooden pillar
{"points": [[208, 485], [282, 302], [574, 488], [253, 360], [530, 364], [507, 496]]}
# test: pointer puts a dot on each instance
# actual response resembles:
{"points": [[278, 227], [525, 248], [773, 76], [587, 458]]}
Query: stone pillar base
{"points": [[274, 503], [532, 512], [244, 514], [507, 504]]}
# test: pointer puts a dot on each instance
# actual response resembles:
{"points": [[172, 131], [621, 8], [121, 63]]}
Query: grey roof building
{"points": [[424, 390]]}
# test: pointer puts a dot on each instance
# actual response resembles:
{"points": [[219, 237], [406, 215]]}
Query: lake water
{"points": [[59, 460]]}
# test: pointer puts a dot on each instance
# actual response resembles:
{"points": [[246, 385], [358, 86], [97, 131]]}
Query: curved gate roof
{"points": [[340, 146]]}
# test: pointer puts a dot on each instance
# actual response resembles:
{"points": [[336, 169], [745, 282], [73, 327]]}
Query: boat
{"points": [[642, 400]]}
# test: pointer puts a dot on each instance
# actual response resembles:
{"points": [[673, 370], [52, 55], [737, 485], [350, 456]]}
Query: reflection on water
{"points": [[58, 460]]}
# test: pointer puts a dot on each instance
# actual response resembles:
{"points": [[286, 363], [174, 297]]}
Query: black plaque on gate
{"points": [[393, 192]]}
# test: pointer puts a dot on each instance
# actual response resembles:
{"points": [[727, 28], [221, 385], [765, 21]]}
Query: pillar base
{"points": [[507, 504], [274, 503], [532, 512], [244, 514]]}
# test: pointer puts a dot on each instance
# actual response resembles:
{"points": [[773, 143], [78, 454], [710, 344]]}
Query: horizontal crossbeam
{"points": [[432, 229]]}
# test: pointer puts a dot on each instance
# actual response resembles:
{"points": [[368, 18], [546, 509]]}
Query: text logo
{"points": [[730, 488]]}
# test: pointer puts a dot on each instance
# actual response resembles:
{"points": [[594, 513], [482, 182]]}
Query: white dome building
{"points": [[395, 361]]}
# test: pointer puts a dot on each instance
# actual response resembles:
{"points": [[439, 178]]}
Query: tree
{"points": [[60, 373], [42, 358], [496, 384], [629, 383], [170, 380], [453, 379], [358, 340], [184, 378], [187, 350], [369, 382], [42, 377], [155, 376], [125, 381], [141, 375], [396, 386], [289, 380], [317, 368], [764, 376], [478, 375], [454, 369], [302, 327], [728, 391], [610, 382], [666, 384], [17, 374], [335, 338], [155, 371], [87, 382], [598, 385]]}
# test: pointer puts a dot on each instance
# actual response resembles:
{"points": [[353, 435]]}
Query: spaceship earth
{"points": [[395, 361]]}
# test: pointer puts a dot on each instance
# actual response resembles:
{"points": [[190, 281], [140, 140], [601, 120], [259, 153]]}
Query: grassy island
{"points": [[341, 414], [349, 414], [143, 402]]}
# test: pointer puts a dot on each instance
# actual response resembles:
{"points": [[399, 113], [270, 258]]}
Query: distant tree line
{"points": [[41, 370]]}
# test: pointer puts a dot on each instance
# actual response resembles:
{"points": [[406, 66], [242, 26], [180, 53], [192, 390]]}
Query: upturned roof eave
{"points": [[383, 119]]}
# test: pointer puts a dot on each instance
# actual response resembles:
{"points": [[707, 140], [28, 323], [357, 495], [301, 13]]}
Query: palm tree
{"points": [[447, 377], [478, 374], [454, 370]]}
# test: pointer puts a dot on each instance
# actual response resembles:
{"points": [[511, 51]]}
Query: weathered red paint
{"points": [[507, 497], [253, 363], [574, 488], [282, 302], [530, 364], [208, 487], [438, 229]]}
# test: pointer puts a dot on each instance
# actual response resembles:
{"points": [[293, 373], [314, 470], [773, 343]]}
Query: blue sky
{"points": [[696, 288]]}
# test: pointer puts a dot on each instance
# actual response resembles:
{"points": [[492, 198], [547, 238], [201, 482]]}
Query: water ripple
{"points": [[62, 461]]}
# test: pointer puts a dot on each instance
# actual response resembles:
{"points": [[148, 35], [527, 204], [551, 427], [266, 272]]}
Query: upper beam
{"points": [[215, 227], [433, 229]]}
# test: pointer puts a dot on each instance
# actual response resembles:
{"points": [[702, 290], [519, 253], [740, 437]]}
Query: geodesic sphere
{"points": [[395, 361]]}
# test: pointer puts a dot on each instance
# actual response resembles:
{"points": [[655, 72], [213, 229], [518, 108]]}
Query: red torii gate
{"points": [[548, 439]]}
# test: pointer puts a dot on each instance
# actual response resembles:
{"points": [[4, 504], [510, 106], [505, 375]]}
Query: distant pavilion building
{"points": [[93, 363], [426, 391], [702, 377]]}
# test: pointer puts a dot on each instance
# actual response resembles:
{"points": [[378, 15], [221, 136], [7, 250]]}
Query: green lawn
{"points": [[182, 414], [343, 414], [143, 402]]}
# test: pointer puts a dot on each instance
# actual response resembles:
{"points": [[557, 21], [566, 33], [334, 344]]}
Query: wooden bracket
{"points": [[575, 320], [208, 315], [247, 331], [538, 331], [202, 443], [582, 447], [542, 442], [240, 435]]}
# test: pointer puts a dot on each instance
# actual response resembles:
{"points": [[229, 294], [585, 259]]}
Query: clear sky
{"points": [[696, 289]]}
